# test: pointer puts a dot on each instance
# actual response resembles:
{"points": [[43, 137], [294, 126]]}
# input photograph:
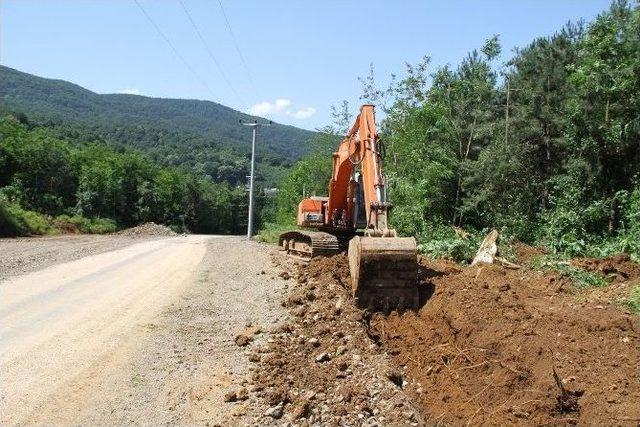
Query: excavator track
{"points": [[308, 244]]}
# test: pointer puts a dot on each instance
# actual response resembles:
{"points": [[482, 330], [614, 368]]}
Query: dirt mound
{"points": [[617, 268], [321, 367], [148, 229], [525, 253], [490, 346], [502, 347]]}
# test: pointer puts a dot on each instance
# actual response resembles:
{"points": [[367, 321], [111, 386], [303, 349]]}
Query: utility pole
{"points": [[254, 125]]}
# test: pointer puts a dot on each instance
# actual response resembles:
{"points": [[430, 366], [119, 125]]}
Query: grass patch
{"points": [[633, 300], [81, 224], [10, 226], [445, 243], [28, 222], [16, 221], [270, 232], [579, 276]]}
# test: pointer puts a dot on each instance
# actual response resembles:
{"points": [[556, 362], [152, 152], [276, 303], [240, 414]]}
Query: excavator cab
{"points": [[383, 267]]}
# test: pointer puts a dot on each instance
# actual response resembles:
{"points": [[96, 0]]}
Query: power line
{"points": [[207, 48], [235, 44], [173, 48]]}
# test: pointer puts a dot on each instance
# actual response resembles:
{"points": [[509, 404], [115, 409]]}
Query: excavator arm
{"points": [[361, 147], [383, 266]]}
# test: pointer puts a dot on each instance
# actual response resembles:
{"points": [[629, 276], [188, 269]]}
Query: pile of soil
{"points": [[619, 271], [616, 268], [526, 253], [321, 366], [490, 345], [148, 229], [502, 347]]}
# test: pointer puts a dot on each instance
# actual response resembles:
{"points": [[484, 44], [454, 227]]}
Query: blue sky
{"points": [[301, 56]]}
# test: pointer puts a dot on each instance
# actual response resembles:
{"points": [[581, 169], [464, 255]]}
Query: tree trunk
{"points": [[463, 156], [613, 209]]}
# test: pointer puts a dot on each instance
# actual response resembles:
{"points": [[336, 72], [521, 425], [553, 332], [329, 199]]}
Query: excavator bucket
{"points": [[384, 272]]}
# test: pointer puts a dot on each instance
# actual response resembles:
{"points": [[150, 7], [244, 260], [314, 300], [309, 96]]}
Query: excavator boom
{"points": [[355, 215]]}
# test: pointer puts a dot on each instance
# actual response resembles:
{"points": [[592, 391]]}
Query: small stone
{"points": [[242, 394], [314, 342], [323, 357], [285, 275], [274, 412], [301, 410], [230, 396], [242, 340]]}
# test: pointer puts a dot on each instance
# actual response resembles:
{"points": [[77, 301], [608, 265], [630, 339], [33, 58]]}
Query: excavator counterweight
{"points": [[383, 267]]}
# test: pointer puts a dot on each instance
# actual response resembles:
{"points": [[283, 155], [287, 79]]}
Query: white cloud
{"points": [[281, 104], [280, 107], [267, 107], [303, 113], [130, 91]]}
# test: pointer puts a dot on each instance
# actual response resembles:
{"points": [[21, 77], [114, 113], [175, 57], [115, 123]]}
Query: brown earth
{"points": [[619, 270], [525, 253], [616, 268], [491, 346], [487, 343], [321, 367]]}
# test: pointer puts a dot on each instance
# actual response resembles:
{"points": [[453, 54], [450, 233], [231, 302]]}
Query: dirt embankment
{"points": [[490, 346], [503, 347]]}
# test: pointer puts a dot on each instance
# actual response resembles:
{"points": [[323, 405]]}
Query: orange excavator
{"points": [[383, 266]]}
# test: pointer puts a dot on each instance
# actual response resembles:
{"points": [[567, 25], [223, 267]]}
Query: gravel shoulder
{"points": [[26, 254], [178, 366]]}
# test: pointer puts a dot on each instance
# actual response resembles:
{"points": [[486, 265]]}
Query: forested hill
{"points": [[203, 135]]}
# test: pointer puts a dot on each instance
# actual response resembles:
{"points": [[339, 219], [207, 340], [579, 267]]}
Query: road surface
{"points": [[73, 335]]}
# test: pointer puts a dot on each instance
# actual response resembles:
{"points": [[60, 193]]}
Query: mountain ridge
{"points": [[173, 131]]}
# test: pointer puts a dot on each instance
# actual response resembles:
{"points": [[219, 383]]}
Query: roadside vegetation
{"points": [[579, 276], [633, 301], [543, 147], [51, 184]]}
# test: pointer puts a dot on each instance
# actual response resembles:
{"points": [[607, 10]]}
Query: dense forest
{"points": [[203, 136], [74, 160], [51, 184], [545, 147]]}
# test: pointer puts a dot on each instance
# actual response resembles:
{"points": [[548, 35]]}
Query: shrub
{"points": [[31, 222], [271, 231], [9, 224], [81, 224], [447, 244]]}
